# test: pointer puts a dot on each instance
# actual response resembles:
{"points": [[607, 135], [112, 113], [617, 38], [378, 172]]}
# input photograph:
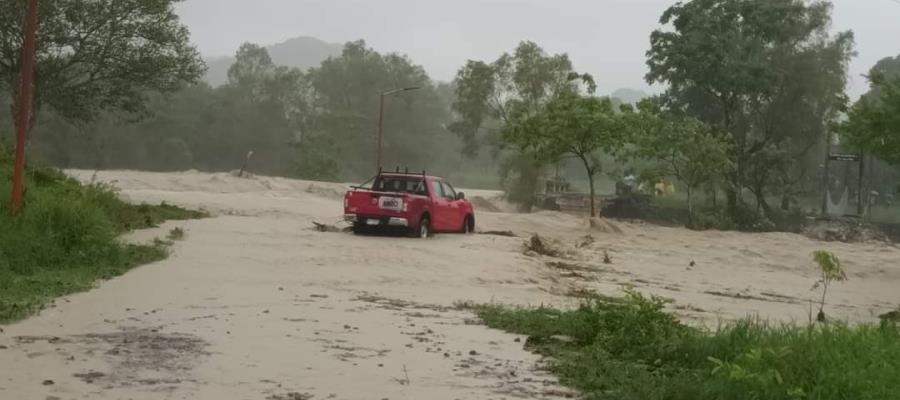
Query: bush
{"points": [[630, 348]]}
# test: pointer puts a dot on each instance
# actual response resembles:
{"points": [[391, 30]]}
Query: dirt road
{"points": [[254, 304]]}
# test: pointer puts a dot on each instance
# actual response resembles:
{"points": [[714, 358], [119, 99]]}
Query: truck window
{"points": [[436, 189], [448, 191], [400, 184]]}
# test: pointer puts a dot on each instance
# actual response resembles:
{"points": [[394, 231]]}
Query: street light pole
{"points": [[379, 155], [24, 111]]}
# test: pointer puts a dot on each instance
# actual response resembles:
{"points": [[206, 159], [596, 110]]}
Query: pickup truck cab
{"points": [[415, 203]]}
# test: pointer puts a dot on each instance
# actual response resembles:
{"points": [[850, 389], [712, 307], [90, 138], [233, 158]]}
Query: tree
{"points": [[683, 147], [252, 64], [874, 121], [580, 126], [99, 55], [767, 73], [345, 92], [832, 271], [514, 87]]}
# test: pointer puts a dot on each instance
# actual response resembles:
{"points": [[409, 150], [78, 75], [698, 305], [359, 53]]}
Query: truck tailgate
{"points": [[371, 203]]}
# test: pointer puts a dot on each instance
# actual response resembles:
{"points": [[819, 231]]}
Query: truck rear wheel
{"points": [[360, 229]]}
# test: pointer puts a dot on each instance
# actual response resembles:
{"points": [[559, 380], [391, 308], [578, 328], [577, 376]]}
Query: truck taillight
{"points": [[346, 201], [405, 206]]}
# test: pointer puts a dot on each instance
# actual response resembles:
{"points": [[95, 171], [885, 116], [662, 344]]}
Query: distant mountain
{"points": [[631, 96], [302, 52]]}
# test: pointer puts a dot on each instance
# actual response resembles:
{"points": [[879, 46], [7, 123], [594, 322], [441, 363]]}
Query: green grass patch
{"points": [[67, 237], [631, 349]]}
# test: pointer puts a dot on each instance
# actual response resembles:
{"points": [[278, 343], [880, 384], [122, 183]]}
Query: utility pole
{"points": [[860, 210], [826, 182], [24, 106], [379, 155]]}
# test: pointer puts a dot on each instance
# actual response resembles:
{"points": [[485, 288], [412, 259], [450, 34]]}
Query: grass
{"points": [[629, 348], [67, 238]]}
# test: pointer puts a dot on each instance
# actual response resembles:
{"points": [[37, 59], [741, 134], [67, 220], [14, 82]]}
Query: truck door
{"points": [[441, 212], [456, 209]]}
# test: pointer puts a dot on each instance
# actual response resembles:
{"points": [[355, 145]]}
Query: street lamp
{"points": [[381, 119]]}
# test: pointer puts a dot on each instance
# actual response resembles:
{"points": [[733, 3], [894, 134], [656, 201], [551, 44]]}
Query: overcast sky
{"points": [[607, 38]]}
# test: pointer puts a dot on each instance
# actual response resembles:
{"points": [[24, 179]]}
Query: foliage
{"points": [[100, 55], [832, 271], [767, 73], [683, 147], [66, 238], [491, 96], [520, 172], [317, 124], [630, 348], [874, 121], [512, 88], [345, 96], [571, 124]]}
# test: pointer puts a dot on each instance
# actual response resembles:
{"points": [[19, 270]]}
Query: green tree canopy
{"points": [[99, 55], [575, 125], [345, 93], [874, 121], [682, 147], [493, 95], [513, 87], [768, 73]]}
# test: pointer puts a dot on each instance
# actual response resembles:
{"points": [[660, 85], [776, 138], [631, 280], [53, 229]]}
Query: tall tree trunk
{"points": [[761, 202], [690, 201], [590, 173], [593, 201]]}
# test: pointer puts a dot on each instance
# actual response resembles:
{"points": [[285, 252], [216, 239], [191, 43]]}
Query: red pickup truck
{"points": [[415, 203]]}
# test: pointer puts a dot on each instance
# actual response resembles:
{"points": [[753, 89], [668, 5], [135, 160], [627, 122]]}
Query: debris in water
{"points": [[542, 246], [329, 228], [499, 233]]}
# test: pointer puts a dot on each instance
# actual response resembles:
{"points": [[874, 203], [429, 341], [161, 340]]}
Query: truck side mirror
{"points": [[460, 196]]}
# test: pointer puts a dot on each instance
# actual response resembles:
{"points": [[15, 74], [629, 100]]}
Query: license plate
{"points": [[390, 203], [373, 222]]}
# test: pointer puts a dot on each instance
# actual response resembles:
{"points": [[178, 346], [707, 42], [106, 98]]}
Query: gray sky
{"points": [[607, 38]]}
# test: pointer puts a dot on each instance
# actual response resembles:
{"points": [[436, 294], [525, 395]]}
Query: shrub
{"points": [[630, 348]]}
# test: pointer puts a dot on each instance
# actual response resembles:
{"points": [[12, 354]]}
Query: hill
{"points": [[303, 52], [628, 95]]}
